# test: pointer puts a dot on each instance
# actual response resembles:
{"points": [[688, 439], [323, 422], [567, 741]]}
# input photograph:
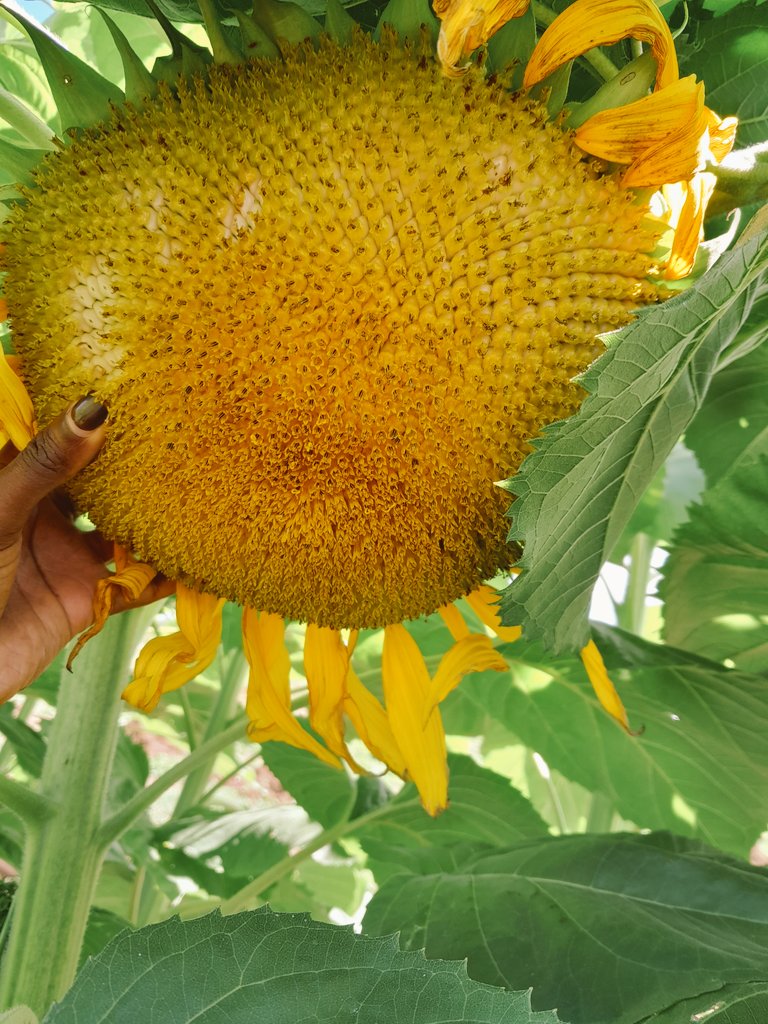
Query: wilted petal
{"points": [[484, 602], [17, 417], [687, 219], [326, 664], [268, 703], [468, 24], [369, 718], [406, 690], [475, 653], [602, 685], [589, 23]]}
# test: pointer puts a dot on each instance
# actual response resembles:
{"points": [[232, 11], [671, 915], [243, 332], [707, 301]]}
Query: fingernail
{"points": [[88, 414]]}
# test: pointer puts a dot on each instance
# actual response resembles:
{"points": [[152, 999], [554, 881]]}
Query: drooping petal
{"points": [[326, 664], [406, 690], [484, 603], [722, 134], [454, 620], [474, 653], [687, 220], [17, 417], [602, 685], [131, 579], [369, 718], [468, 24], [589, 23], [168, 662], [268, 704], [625, 134], [678, 158]]}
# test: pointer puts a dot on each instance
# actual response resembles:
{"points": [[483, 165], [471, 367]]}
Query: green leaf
{"points": [[743, 1003], [280, 968], [700, 765], [102, 927], [715, 584], [607, 928], [578, 489], [139, 84], [325, 793], [484, 811], [27, 744], [730, 54], [83, 97]]}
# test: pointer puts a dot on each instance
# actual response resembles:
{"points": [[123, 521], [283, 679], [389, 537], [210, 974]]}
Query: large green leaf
{"points": [[276, 968], [700, 765], [579, 488], [327, 794], [607, 928], [715, 583], [743, 1003], [730, 54], [484, 811]]}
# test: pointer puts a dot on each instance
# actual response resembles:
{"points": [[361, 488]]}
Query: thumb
{"points": [[49, 460]]}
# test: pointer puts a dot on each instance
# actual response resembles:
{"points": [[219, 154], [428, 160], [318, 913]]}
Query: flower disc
{"points": [[328, 301]]}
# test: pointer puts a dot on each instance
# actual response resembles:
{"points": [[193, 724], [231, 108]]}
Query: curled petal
{"points": [[326, 663], [168, 662], [454, 620], [406, 690], [602, 685], [268, 703], [484, 603], [687, 218], [17, 417], [131, 580], [474, 653], [589, 23], [625, 134], [677, 159], [722, 135], [468, 24]]}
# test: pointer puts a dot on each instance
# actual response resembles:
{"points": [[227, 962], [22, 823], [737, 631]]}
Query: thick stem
{"points": [[62, 856], [632, 611]]}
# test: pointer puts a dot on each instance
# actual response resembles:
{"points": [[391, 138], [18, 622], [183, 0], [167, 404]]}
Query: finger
{"points": [[49, 460]]}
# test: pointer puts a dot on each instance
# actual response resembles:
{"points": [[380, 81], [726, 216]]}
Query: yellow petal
{"points": [[268, 703], [624, 134], [722, 135], [326, 664], [602, 685], [676, 159], [406, 690], [454, 620], [168, 662], [688, 225], [589, 23], [370, 720], [17, 417], [468, 24], [131, 580], [484, 603], [474, 653]]}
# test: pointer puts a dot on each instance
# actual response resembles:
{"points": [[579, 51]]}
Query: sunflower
{"points": [[330, 286]]}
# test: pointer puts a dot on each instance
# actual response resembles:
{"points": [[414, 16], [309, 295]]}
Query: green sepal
{"points": [[255, 41], [407, 18], [631, 83], [553, 89], [511, 46], [18, 162], [186, 58], [25, 121], [285, 22], [82, 96], [338, 24], [139, 84]]}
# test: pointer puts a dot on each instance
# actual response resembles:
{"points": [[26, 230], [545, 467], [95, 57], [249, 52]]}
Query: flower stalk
{"points": [[63, 852]]}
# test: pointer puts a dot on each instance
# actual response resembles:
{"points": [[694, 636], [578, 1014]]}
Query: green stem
{"points": [[30, 807], [603, 65], [225, 778], [142, 801], [251, 893], [223, 709], [62, 854], [600, 814], [632, 611]]}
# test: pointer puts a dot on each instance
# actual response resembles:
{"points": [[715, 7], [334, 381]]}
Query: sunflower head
{"points": [[330, 293]]}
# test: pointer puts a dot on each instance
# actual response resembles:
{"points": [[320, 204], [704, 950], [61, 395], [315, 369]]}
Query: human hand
{"points": [[48, 568]]}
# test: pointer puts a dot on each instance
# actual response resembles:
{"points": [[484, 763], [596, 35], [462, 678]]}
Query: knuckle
{"points": [[44, 457]]}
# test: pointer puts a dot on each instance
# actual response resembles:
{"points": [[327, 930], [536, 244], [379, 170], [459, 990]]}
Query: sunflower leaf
{"points": [[83, 97], [578, 489], [280, 968], [635, 923]]}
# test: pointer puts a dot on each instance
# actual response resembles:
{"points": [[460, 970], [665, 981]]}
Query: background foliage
{"points": [[607, 873]]}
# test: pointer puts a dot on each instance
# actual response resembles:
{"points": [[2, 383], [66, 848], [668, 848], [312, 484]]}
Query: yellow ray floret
{"points": [[589, 23], [326, 665], [602, 685], [168, 662], [468, 24], [17, 416]]}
